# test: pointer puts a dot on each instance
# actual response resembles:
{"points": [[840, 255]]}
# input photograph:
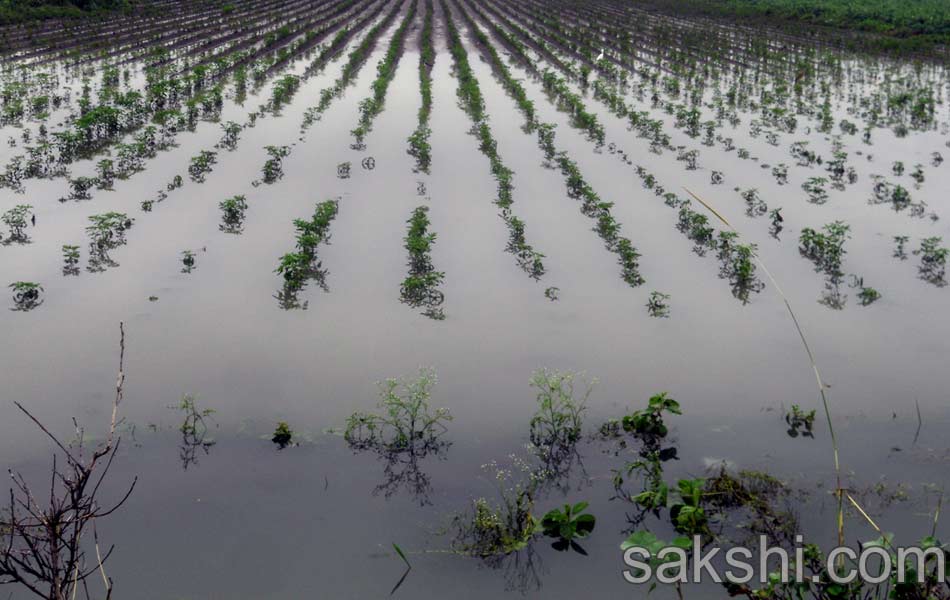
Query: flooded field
{"points": [[399, 278]]}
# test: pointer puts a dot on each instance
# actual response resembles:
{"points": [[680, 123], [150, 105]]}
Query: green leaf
{"points": [[642, 539], [552, 517], [882, 542], [584, 524], [683, 542], [401, 554]]}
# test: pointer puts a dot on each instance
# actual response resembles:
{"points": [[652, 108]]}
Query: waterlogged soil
{"points": [[246, 520]]}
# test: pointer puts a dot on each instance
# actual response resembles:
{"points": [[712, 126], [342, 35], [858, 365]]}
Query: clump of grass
{"points": [[494, 531], [558, 420], [405, 423], [758, 496]]}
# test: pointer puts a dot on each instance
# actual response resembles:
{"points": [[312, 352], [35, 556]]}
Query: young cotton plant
{"points": [[933, 260], [232, 214], [568, 525], [16, 219], [420, 288], [297, 267]]}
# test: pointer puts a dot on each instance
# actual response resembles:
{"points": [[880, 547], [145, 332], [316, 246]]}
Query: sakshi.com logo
{"points": [[687, 561]]}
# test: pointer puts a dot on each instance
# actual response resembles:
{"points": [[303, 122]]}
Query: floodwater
{"points": [[316, 520]]}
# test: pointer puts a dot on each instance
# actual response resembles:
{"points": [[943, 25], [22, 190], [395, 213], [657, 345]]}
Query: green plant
{"points": [[800, 422], [232, 214], [188, 261], [497, 531], [273, 167], [653, 545], [567, 524], [825, 249], [815, 187], [194, 430], [232, 132], [686, 511], [80, 186], [649, 421], [385, 71], [26, 294], [420, 287], [559, 417], [933, 260], [868, 295], [406, 422], [16, 219], [900, 242], [108, 229], [70, 255], [282, 435], [470, 95], [297, 267], [657, 305], [201, 165], [194, 423], [419, 146]]}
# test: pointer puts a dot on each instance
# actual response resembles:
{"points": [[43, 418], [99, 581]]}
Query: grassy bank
{"points": [[902, 25], [18, 11]]}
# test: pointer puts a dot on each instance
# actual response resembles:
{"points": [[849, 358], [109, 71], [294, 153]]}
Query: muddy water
{"points": [[247, 521]]}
